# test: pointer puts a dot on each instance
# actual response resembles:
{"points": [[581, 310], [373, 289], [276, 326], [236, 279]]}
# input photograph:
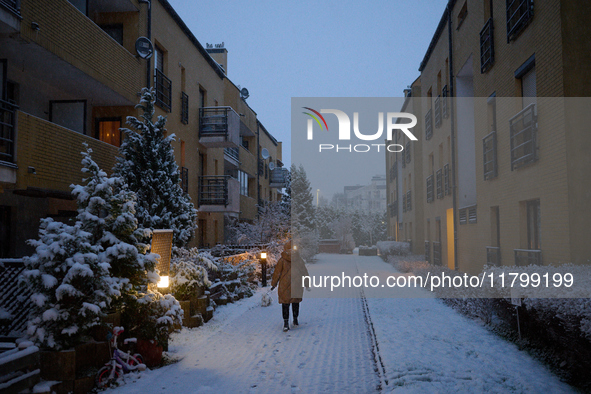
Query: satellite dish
{"points": [[265, 154], [244, 93], [271, 166], [144, 48]]}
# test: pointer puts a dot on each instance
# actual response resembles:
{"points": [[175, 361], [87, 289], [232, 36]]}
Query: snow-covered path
{"points": [[424, 346]]}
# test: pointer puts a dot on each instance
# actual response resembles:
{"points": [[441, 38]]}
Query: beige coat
{"points": [[288, 274]]}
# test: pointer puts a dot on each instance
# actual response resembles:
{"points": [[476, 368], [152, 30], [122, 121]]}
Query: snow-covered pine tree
{"points": [[303, 226], [286, 196], [148, 166], [71, 286], [106, 209]]}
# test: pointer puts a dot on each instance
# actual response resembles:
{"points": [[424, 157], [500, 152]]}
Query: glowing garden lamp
{"points": [[263, 259], [162, 246]]}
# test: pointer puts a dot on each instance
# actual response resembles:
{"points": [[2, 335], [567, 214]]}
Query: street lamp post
{"points": [[264, 268]]}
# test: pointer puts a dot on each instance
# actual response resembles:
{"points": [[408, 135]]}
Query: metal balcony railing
{"points": [[438, 112], [436, 253], [523, 130], [233, 153], [163, 87], [525, 257], [278, 177], [429, 125], [493, 255], [430, 191], [489, 155], [519, 14], [446, 181], [7, 130], [213, 190], [487, 48], [13, 6], [439, 182]]}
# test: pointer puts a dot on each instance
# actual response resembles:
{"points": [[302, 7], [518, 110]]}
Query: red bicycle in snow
{"points": [[121, 362]]}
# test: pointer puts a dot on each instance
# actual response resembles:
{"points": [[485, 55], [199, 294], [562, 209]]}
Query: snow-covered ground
{"points": [[422, 346]]}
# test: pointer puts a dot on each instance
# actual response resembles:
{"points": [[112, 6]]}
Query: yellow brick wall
{"points": [[72, 36], [54, 153]]}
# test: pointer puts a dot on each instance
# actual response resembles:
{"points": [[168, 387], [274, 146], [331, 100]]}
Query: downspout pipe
{"points": [[149, 37], [453, 133]]}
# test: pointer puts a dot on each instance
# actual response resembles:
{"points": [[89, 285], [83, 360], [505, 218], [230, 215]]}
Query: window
{"points": [[184, 108], [528, 87], [70, 114], [487, 48], [115, 31], [184, 179], [162, 84], [463, 216], [108, 130], [519, 15], [243, 178], [462, 14], [533, 225], [489, 147], [245, 143], [468, 215], [408, 201], [429, 125], [524, 125]]}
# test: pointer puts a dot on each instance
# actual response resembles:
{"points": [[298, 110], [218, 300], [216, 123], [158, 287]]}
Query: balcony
{"points": [[523, 130], [487, 48], [219, 194], [10, 16], [524, 257], [278, 178], [53, 152], [219, 127], [436, 253], [493, 255], [430, 191]]}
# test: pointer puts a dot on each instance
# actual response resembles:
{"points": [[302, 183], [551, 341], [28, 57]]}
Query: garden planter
{"points": [[150, 351]]}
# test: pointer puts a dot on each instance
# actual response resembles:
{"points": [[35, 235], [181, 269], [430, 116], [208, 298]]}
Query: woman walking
{"points": [[288, 274]]}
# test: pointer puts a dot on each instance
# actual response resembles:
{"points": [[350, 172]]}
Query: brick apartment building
{"points": [[70, 73], [500, 171]]}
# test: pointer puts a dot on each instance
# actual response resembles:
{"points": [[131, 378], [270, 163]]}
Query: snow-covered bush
{"points": [[148, 166], [152, 316], [188, 272], [70, 286], [389, 248]]}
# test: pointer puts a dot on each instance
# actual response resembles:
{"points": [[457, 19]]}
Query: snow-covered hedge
{"points": [[389, 248], [188, 272]]}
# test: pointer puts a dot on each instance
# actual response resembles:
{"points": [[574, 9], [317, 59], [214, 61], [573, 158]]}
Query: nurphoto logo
{"points": [[345, 129]]}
